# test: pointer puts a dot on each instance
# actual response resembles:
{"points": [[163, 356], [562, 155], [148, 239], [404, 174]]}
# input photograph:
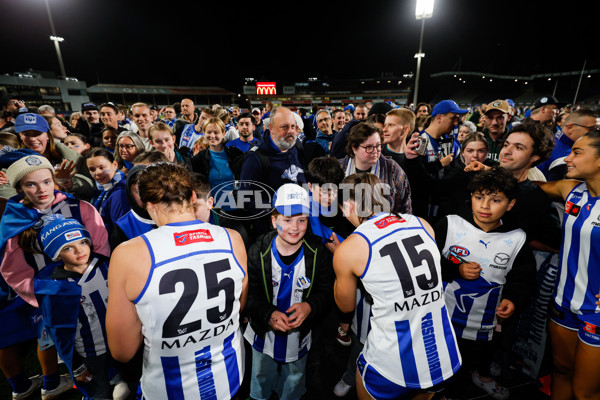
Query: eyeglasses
{"points": [[126, 146], [323, 120], [370, 148], [589, 128]]}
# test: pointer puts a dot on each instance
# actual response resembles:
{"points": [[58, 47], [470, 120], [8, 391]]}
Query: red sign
{"points": [[199, 235], [266, 88], [387, 221]]}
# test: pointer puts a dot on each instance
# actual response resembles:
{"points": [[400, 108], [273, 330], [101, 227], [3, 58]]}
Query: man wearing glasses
{"points": [[324, 130], [577, 124]]}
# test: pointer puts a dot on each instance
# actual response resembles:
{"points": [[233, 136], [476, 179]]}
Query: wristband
{"points": [[80, 370]]}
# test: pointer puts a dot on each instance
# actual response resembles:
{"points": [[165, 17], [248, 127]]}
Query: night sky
{"points": [[215, 43]]}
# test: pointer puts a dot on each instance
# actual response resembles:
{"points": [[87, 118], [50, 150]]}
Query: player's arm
{"points": [[239, 251], [125, 283], [349, 262], [558, 190]]}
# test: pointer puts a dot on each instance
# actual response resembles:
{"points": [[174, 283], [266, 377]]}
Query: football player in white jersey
{"points": [[411, 350], [575, 315], [179, 289]]}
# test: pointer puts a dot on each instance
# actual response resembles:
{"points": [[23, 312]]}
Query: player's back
{"points": [[189, 309], [411, 341]]}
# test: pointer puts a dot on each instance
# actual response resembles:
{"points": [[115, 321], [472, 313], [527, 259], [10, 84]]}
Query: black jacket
{"points": [[319, 295]]}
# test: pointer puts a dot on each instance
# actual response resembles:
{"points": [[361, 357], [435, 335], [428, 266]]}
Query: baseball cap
{"points": [[500, 105], [381, 108], [24, 165], [510, 102], [255, 110], [89, 106], [58, 232], [291, 199], [447, 106], [31, 122], [545, 101]]}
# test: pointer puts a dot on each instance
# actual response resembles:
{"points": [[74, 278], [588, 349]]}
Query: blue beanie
{"points": [[58, 232]]}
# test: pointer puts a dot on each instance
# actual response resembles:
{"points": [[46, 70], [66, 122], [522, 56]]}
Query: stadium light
{"points": [[423, 11], [56, 39]]}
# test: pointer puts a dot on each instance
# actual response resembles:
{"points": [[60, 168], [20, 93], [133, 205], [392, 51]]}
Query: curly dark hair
{"points": [[496, 180], [543, 141]]}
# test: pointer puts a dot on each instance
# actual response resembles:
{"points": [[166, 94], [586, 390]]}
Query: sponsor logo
{"points": [[572, 209], [387, 221], [73, 235], [484, 243], [501, 258], [459, 251], [591, 328], [188, 237], [266, 88]]}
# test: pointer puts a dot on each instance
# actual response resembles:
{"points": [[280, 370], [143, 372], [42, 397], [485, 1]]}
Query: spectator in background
{"points": [[399, 124], [170, 116], [360, 112], [192, 132], [162, 140], [142, 119], [109, 115], [324, 130], [423, 109], [544, 110], [128, 146], [339, 119], [57, 129], [91, 125], [78, 143], [74, 119], [109, 138], [46, 110], [496, 117], [188, 116], [246, 127]]}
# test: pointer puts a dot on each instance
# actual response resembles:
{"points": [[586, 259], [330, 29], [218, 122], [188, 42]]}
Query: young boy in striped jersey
{"points": [[291, 285], [488, 271], [73, 302]]}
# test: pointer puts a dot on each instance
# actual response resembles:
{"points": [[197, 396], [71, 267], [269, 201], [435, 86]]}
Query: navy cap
{"points": [[545, 101], [447, 106]]}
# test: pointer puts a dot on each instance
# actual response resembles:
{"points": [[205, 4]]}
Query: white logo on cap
{"points": [[496, 103], [544, 100], [30, 119], [33, 160]]}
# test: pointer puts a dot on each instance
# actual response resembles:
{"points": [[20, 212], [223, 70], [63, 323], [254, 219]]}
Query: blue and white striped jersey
{"points": [[289, 283], [189, 309], [472, 303], [189, 136], [411, 341], [90, 339], [578, 273], [361, 321]]}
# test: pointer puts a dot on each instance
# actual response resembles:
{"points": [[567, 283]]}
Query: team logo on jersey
{"points": [[572, 209], [275, 283], [387, 221], [188, 237], [591, 328], [303, 282], [501, 258], [82, 299], [456, 253]]}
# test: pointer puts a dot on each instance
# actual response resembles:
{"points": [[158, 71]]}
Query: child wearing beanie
{"points": [[73, 303]]}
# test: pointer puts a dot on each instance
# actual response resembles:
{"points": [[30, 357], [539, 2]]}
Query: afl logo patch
{"points": [[459, 251]]}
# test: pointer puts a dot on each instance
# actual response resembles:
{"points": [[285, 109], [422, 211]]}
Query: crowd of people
{"points": [[181, 252]]}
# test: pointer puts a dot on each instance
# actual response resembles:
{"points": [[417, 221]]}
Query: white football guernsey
{"points": [[411, 341], [472, 303], [189, 311]]}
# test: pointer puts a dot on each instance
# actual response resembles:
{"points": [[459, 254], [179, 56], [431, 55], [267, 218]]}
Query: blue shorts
{"points": [[382, 388], [16, 323], [586, 325]]}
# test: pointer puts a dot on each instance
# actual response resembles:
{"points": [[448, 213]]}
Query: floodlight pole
{"points": [[419, 56], [56, 39]]}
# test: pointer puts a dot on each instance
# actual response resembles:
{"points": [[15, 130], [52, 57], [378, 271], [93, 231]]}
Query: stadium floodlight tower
{"points": [[56, 39], [423, 11]]}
